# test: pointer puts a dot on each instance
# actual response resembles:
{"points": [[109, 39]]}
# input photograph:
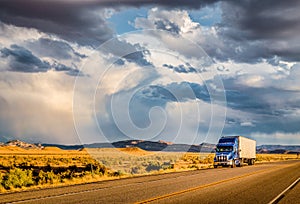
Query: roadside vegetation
{"points": [[275, 157], [22, 169]]}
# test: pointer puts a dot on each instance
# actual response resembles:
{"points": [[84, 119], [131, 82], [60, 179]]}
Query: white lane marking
{"points": [[278, 198]]}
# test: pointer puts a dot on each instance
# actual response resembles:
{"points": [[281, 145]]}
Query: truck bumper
{"points": [[223, 163]]}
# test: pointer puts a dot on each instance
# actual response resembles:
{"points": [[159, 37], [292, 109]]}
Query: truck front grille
{"points": [[221, 158]]}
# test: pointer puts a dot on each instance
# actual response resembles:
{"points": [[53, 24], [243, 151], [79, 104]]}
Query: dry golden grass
{"points": [[120, 155], [275, 157], [45, 151], [8, 150], [54, 149], [127, 161]]}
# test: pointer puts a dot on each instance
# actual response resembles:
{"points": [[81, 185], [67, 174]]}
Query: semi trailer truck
{"points": [[235, 151]]}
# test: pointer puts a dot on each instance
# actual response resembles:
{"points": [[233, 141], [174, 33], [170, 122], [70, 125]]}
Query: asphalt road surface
{"points": [[249, 184]]}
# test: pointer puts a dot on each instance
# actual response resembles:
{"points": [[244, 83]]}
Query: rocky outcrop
{"points": [[24, 145]]}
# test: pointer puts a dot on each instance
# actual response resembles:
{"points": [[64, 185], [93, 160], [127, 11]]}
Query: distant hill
{"points": [[21, 144], [144, 145], [154, 146], [278, 149], [64, 147], [170, 147]]}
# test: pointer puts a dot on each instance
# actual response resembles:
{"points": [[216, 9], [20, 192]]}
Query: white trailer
{"points": [[247, 150]]}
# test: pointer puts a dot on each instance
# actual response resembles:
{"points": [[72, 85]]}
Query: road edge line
{"points": [[279, 197]]}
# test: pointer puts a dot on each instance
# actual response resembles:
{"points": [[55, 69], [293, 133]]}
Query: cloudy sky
{"points": [[181, 71]]}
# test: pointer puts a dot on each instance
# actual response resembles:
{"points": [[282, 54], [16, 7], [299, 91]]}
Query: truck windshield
{"points": [[225, 140], [224, 149]]}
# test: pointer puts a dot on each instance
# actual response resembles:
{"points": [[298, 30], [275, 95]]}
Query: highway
{"points": [[249, 184]]}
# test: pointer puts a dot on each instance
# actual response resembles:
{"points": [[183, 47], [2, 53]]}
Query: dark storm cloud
{"points": [[61, 67], [266, 111], [264, 20], [177, 92], [260, 100], [253, 30], [167, 26], [75, 72], [250, 30], [68, 70], [155, 92], [22, 60], [73, 21], [238, 97], [53, 48], [138, 57], [263, 124], [191, 4], [182, 68], [249, 100], [78, 21], [126, 52], [253, 100]]}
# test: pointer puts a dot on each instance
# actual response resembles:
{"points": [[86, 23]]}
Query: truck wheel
{"points": [[215, 166], [250, 162], [238, 164], [233, 164]]}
